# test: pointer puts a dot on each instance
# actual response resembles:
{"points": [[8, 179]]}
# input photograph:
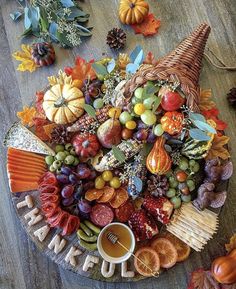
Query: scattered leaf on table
{"points": [[201, 279], [213, 115], [148, 27], [27, 64], [217, 149], [27, 115], [206, 101], [232, 244], [82, 70]]}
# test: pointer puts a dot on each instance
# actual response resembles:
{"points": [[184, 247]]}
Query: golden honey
{"points": [[115, 250]]}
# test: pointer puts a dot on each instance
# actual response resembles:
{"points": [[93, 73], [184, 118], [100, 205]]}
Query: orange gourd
{"points": [[172, 122], [133, 11], [224, 268], [158, 161]]}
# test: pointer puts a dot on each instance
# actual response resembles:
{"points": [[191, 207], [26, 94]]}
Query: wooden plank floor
{"points": [[21, 265]]}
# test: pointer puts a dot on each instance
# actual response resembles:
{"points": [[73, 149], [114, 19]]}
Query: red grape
{"points": [[83, 171], [66, 171], [62, 179], [141, 134], [84, 206], [67, 202], [67, 191]]}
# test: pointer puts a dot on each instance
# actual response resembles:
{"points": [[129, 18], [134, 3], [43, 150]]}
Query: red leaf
{"points": [[201, 279], [39, 102], [213, 114], [148, 27], [82, 70], [40, 132]]}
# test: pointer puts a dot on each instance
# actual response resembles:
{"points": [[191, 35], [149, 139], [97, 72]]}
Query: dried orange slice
{"points": [[183, 249], [108, 194], [93, 194], [166, 251], [121, 196], [150, 261]]}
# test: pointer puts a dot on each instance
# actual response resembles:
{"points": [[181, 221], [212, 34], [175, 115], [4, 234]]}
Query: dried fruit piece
{"points": [[27, 115], [108, 194], [121, 196], [183, 250], [166, 251], [93, 194], [149, 257], [148, 27]]}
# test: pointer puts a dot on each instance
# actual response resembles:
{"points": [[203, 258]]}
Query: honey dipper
{"points": [[114, 239]]}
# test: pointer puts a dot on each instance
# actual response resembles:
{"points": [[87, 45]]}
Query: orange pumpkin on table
{"points": [[133, 11], [223, 268], [158, 161]]}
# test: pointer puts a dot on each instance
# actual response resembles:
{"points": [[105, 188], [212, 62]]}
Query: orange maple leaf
{"points": [[148, 27], [81, 71], [217, 149], [205, 100], [27, 115]]}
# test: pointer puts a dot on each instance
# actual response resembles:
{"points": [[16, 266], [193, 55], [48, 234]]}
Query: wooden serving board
{"points": [[93, 273]]}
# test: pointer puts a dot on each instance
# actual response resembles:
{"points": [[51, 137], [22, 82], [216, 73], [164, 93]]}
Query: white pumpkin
{"points": [[63, 103]]}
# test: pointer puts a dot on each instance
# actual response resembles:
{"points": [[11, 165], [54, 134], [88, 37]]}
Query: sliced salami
{"points": [[101, 215], [48, 178]]}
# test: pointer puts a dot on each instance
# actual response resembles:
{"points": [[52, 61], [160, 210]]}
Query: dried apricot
{"points": [[121, 196], [93, 194], [108, 194]]}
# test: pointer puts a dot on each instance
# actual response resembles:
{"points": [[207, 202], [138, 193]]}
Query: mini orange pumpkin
{"points": [[172, 122], [133, 11], [223, 268], [158, 161]]}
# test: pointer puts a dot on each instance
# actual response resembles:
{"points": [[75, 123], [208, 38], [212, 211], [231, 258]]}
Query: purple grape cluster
{"points": [[144, 133]]}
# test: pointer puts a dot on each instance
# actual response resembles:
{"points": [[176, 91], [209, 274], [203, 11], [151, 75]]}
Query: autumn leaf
{"points": [[205, 101], [48, 129], [81, 71], [232, 244], [217, 149], [150, 59], [213, 115], [148, 27], [27, 64], [201, 279], [27, 115]]}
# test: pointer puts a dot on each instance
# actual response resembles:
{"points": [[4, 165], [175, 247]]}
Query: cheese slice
{"points": [[20, 137]]}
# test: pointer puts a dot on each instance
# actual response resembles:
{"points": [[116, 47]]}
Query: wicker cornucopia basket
{"points": [[183, 65]]}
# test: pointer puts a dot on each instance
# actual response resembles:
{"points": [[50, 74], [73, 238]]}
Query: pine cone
{"points": [[158, 185], [60, 135], [116, 38], [43, 53], [231, 96]]}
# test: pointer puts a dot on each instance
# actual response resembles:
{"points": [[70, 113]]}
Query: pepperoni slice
{"points": [[101, 215], [49, 179], [50, 198], [71, 225], [124, 212]]}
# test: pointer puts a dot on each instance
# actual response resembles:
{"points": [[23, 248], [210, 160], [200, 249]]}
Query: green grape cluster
{"points": [[182, 182], [65, 155]]}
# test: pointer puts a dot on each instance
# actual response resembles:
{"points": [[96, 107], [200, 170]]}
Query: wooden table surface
{"points": [[21, 264]]}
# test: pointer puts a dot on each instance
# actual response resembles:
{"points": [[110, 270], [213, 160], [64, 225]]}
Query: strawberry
{"points": [[143, 226], [159, 207]]}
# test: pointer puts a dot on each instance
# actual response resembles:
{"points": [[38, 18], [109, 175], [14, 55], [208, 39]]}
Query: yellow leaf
{"points": [[232, 244], [27, 115], [217, 149], [205, 101], [25, 57]]}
